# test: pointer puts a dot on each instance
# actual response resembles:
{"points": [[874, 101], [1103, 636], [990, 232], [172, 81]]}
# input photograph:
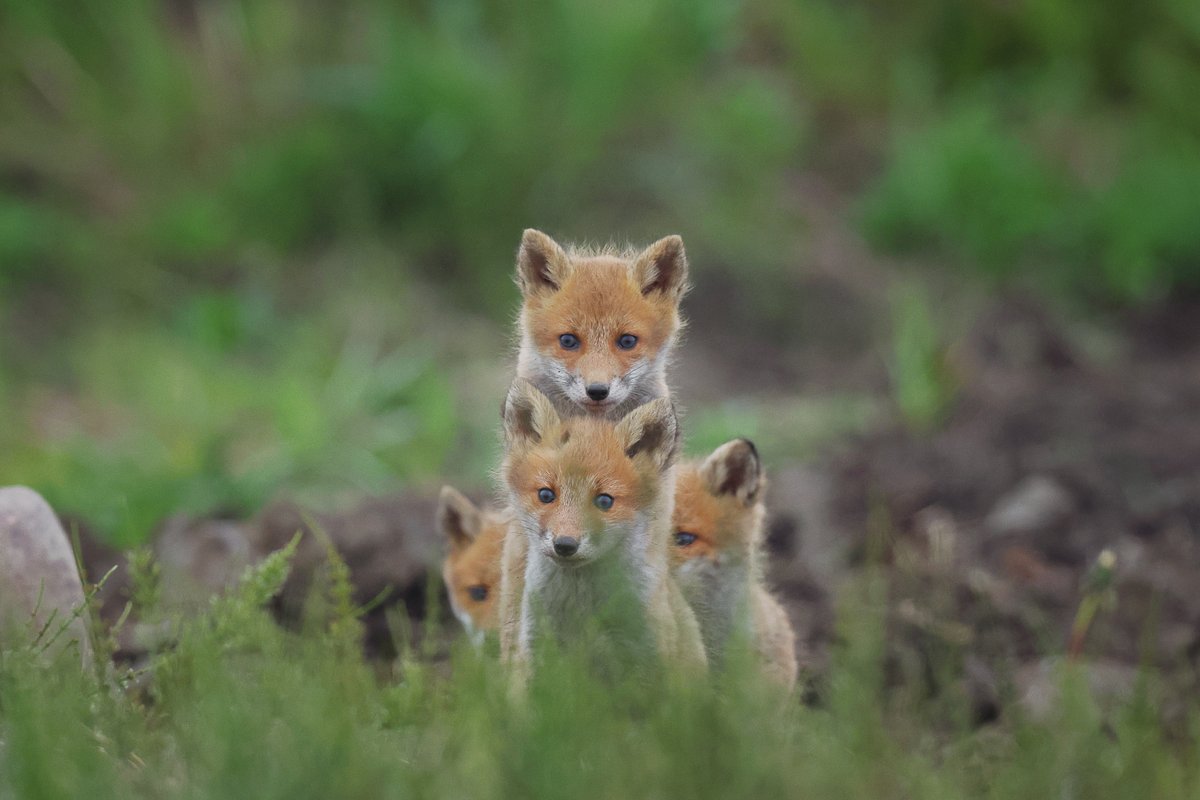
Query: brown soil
{"points": [[988, 526]]}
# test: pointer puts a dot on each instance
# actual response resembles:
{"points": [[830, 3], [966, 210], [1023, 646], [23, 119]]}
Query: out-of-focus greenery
{"points": [[1056, 137], [243, 709], [226, 406], [187, 189], [781, 428], [154, 143], [924, 385]]}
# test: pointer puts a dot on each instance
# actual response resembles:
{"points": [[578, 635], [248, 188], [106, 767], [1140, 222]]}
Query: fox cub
{"points": [[597, 327], [718, 521], [588, 546], [472, 566]]}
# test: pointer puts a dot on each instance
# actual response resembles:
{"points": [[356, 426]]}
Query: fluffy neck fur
{"points": [[559, 600], [547, 374], [720, 592]]}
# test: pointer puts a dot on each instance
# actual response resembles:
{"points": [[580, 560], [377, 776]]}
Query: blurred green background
{"points": [[257, 247]]}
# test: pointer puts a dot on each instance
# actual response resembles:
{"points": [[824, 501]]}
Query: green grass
{"points": [[221, 225], [228, 403], [923, 385], [188, 189], [146, 150], [241, 708], [783, 428], [156, 152]]}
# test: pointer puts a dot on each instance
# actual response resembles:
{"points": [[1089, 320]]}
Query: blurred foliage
{"points": [[154, 146], [181, 141], [923, 383], [221, 409], [783, 428], [186, 188], [1052, 137], [243, 709]]}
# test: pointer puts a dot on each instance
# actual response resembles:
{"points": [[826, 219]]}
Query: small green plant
{"points": [[244, 709], [968, 187], [922, 381], [1099, 594]]}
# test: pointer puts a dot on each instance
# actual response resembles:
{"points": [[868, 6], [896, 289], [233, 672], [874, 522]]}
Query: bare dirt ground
{"points": [[988, 526]]}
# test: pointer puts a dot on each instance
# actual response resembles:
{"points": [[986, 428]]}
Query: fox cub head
{"points": [[596, 329], [472, 566], [582, 486], [718, 510]]}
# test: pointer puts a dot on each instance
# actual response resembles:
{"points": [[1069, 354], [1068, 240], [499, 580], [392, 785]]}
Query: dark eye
{"points": [[604, 502], [626, 341], [569, 341], [546, 495], [478, 593], [684, 539]]}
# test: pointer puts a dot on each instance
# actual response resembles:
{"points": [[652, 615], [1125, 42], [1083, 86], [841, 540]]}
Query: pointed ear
{"points": [[542, 265], [734, 468], [651, 430], [528, 414], [662, 267], [458, 518]]}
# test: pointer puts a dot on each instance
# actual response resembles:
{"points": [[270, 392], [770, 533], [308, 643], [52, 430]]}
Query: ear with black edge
{"points": [[735, 469], [662, 268], [528, 414], [542, 265], [651, 431], [458, 518]]}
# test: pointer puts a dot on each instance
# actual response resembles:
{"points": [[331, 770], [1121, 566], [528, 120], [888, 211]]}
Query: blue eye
{"points": [[604, 502], [683, 538], [478, 593], [626, 341], [546, 495], [569, 341]]}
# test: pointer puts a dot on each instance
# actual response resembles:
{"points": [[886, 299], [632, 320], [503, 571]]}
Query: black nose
{"points": [[597, 391], [566, 545]]}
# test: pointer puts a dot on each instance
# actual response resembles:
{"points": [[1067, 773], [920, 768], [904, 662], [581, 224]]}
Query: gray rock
{"points": [[390, 545], [40, 588], [1036, 504], [200, 559]]}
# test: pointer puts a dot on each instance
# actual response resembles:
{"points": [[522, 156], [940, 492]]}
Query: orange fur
{"points": [[719, 502], [599, 302], [719, 523], [472, 564], [722, 524], [578, 459], [598, 297]]}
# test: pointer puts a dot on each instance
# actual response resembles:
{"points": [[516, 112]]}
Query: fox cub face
{"points": [[472, 566], [596, 329], [581, 486], [718, 511]]}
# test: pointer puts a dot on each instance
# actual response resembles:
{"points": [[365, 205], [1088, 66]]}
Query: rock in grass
{"points": [[200, 559], [1037, 504], [41, 594], [388, 543]]}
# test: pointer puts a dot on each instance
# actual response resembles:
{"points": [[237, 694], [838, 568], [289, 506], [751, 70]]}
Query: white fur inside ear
{"points": [[662, 267], [734, 468], [458, 518], [651, 430], [542, 265], [528, 414]]}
